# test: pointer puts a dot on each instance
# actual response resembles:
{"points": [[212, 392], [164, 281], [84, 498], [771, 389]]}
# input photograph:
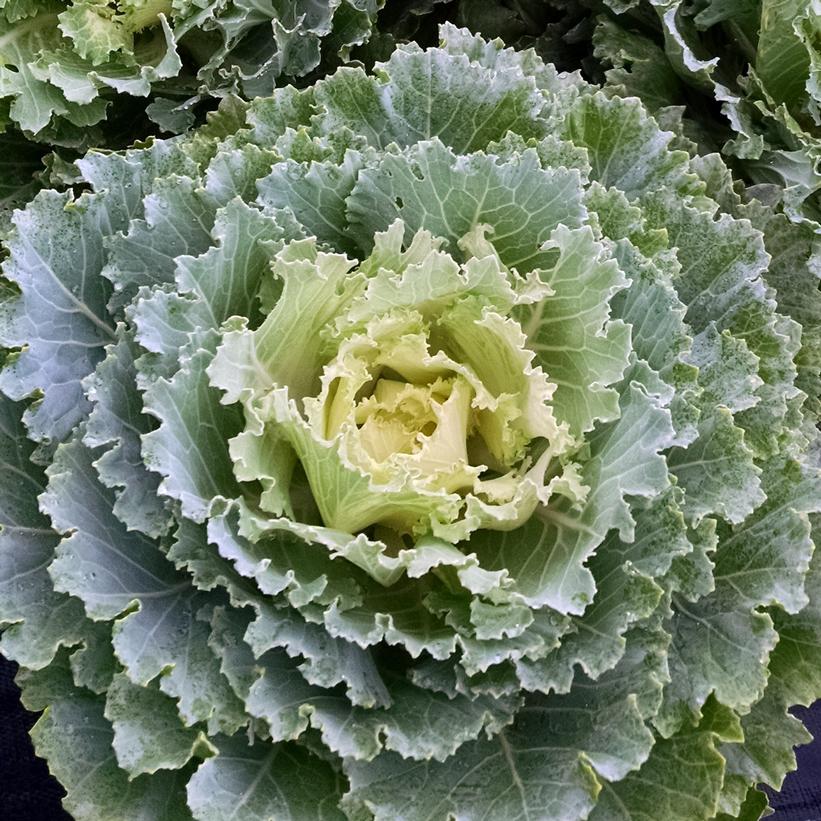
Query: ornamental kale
{"points": [[432, 443]]}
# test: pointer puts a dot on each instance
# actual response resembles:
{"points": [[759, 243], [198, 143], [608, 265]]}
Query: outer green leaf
{"points": [[718, 646], [727, 370], [781, 60], [640, 68], [770, 733], [626, 148], [264, 781], [93, 664], [38, 619], [95, 30], [81, 81], [725, 274], [427, 187], [717, 472], [626, 593], [281, 563], [723, 285], [397, 615], [116, 423], [97, 789], [794, 272], [423, 94], [560, 87], [115, 571], [327, 661], [273, 690], [148, 735], [420, 725], [545, 765], [767, 557], [222, 281], [680, 780], [33, 101], [176, 220], [199, 474], [316, 195], [60, 316], [570, 330], [98, 554]]}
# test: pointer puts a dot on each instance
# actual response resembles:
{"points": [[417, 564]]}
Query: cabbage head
{"points": [[420, 395], [425, 444]]}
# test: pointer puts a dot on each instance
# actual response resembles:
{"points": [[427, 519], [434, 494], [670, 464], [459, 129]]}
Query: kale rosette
{"points": [[436, 443]]}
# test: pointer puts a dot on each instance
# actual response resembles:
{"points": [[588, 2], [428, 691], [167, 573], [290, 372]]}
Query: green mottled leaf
{"points": [[717, 472], [148, 735], [427, 187], [37, 618], [98, 790], [681, 780], [425, 94], [120, 573], [60, 315], [264, 781], [626, 148], [115, 423]]}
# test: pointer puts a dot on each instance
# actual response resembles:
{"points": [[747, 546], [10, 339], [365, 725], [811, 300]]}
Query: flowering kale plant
{"points": [[425, 444]]}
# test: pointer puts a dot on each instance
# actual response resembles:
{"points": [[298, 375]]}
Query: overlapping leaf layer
{"points": [[207, 645]]}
